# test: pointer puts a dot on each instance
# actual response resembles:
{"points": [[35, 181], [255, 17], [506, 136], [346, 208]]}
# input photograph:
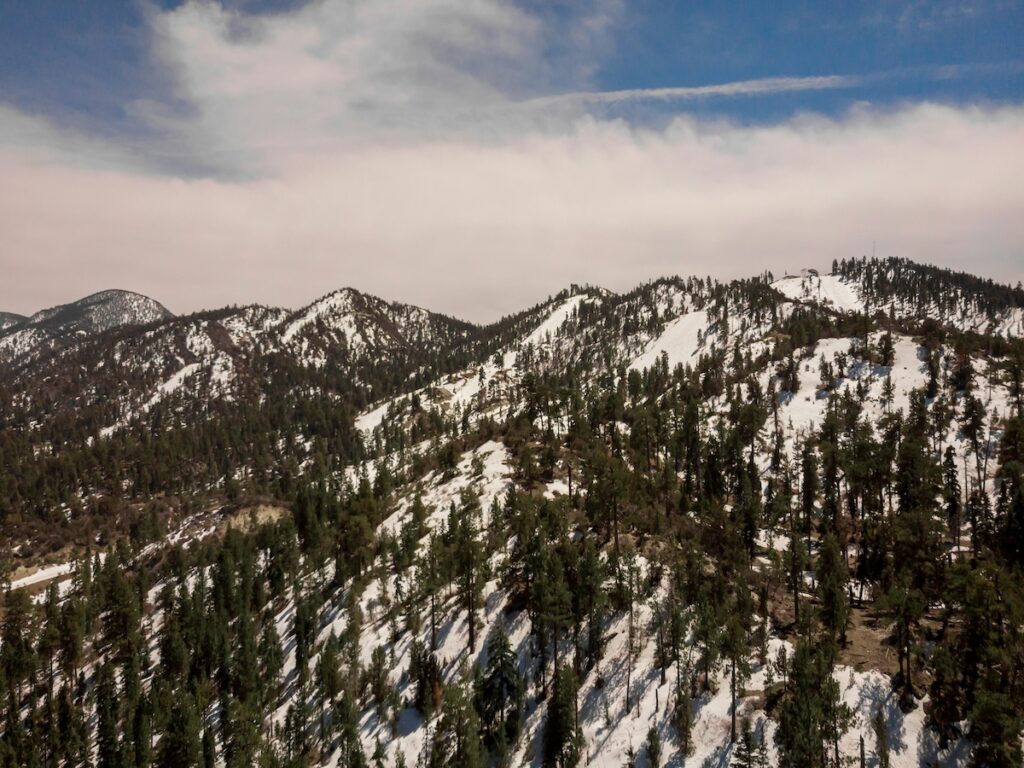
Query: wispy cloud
{"points": [[757, 87], [767, 86]]}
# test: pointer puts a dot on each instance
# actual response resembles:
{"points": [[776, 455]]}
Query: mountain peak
{"points": [[100, 312], [24, 338]]}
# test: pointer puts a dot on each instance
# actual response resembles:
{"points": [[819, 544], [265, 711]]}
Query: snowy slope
{"points": [[682, 341], [488, 381], [100, 312], [825, 290], [354, 324]]}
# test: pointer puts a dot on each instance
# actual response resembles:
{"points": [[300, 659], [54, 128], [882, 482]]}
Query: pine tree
{"points": [[209, 750], [996, 725], [653, 747], [108, 753], [682, 719], [562, 742], [745, 750], [906, 606], [457, 741], [832, 580], [469, 563], [736, 647], [143, 733], [589, 602], [180, 746], [812, 717], [271, 661], [500, 691], [16, 657]]}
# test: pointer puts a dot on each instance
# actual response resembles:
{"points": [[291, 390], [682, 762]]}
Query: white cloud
{"points": [[759, 87], [384, 146], [258, 90]]}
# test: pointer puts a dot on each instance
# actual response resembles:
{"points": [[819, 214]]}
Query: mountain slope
{"points": [[608, 529]]}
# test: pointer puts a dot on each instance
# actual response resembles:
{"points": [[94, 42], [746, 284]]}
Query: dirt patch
{"points": [[867, 643], [251, 517]]}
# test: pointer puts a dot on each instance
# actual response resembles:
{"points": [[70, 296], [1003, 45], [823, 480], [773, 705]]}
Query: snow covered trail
{"points": [[43, 574]]}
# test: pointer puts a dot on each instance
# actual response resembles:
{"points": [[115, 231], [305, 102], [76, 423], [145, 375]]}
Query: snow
{"points": [[173, 383], [547, 329], [806, 408], [316, 310], [554, 321], [43, 574], [370, 420], [827, 290], [486, 471], [681, 340], [338, 312]]}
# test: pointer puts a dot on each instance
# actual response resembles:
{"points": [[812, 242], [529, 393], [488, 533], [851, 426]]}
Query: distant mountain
{"points": [[8, 319], [105, 373], [100, 312], [23, 339], [346, 346]]}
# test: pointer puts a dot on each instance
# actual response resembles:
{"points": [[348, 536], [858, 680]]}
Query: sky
{"points": [[476, 156]]}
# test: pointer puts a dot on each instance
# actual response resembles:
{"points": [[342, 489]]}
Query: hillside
{"points": [[23, 339], [775, 521], [7, 319]]}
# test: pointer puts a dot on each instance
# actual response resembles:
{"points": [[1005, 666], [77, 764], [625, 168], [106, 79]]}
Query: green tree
{"points": [[500, 693], [181, 745], [562, 742]]}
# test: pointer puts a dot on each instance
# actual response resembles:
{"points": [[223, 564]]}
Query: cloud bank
{"points": [[414, 150]]}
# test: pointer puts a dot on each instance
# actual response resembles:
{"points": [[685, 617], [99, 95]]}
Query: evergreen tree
{"points": [[832, 582], [500, 691], [562, 742], [108, 750], [457, 741], [653, 747], [180, 746], [745, 750]]}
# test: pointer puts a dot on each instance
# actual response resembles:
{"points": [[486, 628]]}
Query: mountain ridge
{"points": [[684, 522]]}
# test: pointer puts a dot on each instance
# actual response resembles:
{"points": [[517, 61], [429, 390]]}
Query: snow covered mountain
{"points": [[195, 364], [100, 312], [23, 339], [770, 521], [904, 290], [363, 325]]}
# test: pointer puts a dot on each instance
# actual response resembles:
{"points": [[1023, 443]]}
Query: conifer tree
{"points": [[108, 752], [180, 745], [562, 742], [832, 580], [745, 749], [500, 691]]}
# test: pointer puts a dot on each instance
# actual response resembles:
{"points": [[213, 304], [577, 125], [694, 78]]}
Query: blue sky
{"points": [[474, 157], [85, 62]]}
